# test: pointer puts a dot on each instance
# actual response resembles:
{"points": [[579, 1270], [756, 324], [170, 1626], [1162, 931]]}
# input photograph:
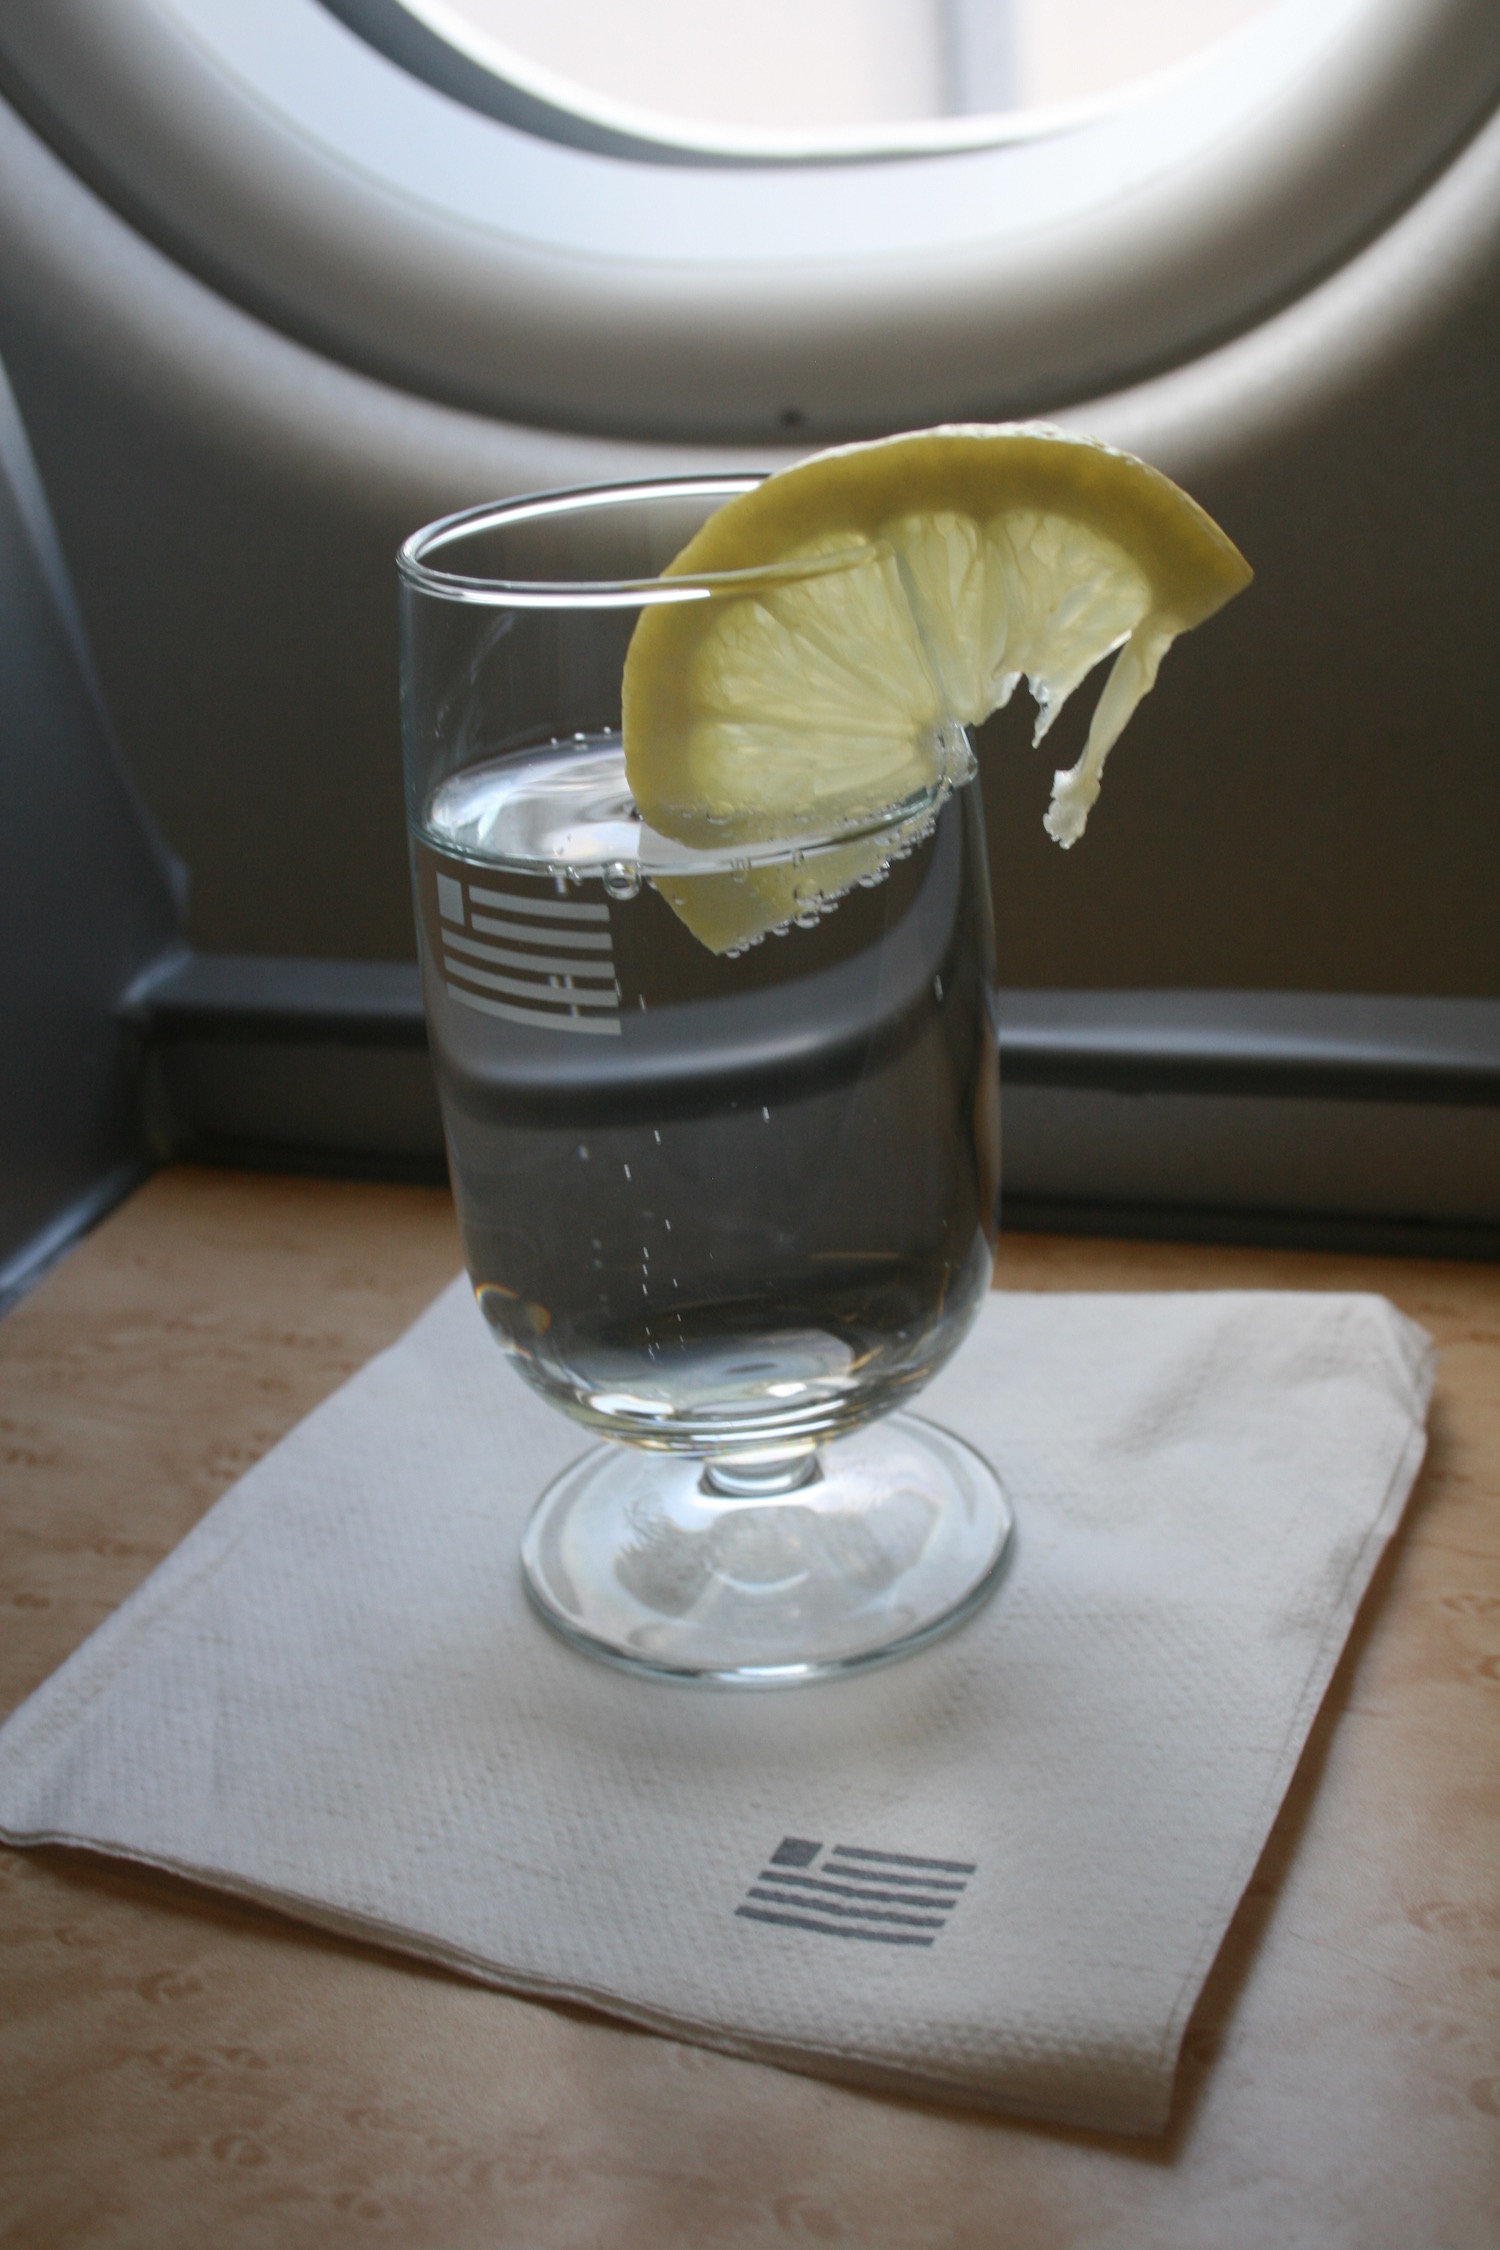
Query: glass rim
{"points": [[485, 591]]}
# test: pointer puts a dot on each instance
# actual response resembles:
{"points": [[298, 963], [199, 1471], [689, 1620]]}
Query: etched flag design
{"points": [[850, 1891], [530, 959]]}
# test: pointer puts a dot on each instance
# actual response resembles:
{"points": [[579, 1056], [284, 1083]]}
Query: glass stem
{"points": [[754, 1476]]}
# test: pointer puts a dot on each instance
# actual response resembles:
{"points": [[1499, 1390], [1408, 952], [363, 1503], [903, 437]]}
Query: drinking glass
{"points": [[729, 1211]]}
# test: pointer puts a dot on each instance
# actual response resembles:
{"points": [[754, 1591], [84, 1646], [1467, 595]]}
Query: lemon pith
{"points": [[810, 701]]}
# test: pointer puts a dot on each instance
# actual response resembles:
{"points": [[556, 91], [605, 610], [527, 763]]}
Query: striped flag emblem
{"points": [[847, 1891], [532, 960]]}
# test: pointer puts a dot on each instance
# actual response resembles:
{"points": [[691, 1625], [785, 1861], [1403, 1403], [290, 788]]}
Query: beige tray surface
{"points": [[182, 2070]]}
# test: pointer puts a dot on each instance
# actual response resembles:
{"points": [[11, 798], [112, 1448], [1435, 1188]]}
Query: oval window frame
{"points": [[995, 272]]}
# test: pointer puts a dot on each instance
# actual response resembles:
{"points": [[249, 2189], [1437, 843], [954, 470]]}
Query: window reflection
{"points": [[801, 64]]}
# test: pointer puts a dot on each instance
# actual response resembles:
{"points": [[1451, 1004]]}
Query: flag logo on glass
{"points": [[532, 959], [847, 1891]]}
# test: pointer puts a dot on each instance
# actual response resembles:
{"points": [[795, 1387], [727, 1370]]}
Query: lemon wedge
{"points": [[889, 596]]}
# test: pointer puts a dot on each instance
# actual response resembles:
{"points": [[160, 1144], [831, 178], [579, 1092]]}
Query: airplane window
{"points": [[801, 64], [504, 241], [282, 279], [1071, 50]]}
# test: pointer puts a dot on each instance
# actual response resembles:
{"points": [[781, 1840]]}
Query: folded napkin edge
{"points": [[1297, 1735], [843, 2066]]}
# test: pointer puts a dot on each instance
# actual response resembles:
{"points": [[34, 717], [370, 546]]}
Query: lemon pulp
{"points": [[890, 595]]}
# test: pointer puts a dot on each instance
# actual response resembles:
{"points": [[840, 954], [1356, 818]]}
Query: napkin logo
{"points": [[886, 1898]]}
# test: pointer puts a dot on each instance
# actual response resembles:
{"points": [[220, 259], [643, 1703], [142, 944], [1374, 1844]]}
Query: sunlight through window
{"points": [[802, 64]]}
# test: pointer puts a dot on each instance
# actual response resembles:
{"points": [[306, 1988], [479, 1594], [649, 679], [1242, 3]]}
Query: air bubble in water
{"points": [[621, 880]]}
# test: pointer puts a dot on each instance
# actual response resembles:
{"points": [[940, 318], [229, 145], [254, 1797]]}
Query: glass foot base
{"points": [[896, 1536]]}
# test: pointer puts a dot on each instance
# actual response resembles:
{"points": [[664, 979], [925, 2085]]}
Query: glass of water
{"points": [[729, 1211]]}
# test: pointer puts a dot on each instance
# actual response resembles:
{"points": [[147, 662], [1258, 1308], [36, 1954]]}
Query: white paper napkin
{"points": [[334, 1697]]}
